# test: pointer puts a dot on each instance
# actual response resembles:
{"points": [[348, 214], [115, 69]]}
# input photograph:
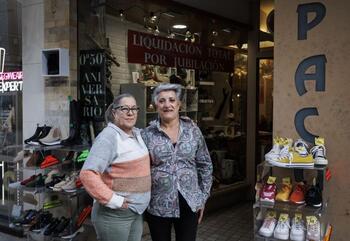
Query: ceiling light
{"points": [[179, 26], [226, 30], [122, 15]]}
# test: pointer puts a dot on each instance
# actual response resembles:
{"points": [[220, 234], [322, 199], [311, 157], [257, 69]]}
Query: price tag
{"points": [[271, 214], [283, 217], [298, 216], [271, 180], [286, 180]]}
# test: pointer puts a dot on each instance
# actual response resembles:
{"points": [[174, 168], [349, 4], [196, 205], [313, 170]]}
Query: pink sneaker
{"points": [[268, 193]]}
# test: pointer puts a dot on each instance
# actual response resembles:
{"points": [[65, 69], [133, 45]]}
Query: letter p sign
{"points": [[303, 25]]}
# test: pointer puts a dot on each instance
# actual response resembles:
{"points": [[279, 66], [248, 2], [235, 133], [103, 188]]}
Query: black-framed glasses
{"points": [[126, 109]]}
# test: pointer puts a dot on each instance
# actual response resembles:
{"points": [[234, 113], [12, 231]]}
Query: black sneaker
{"points": [[51, 227], [44, 132], [43, 220], [313, 196], [38, 130], [71, 231], [31, 215], [61, 226]]}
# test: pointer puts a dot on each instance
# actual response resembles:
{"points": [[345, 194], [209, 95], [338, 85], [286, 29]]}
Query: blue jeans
{"points": [[116, 224]]}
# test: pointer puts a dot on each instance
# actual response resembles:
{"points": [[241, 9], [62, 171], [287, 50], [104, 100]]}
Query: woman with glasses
{"points": [[117, 174], [181, 169]]}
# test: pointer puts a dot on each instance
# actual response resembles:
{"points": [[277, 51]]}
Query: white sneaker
{"points": [[297, 232], [268, 225], [319, 155], [70, 186], [58, 186], [313, 228], [282, 228], [51, 174], [285, 155], [53, 138], [274, 153]]}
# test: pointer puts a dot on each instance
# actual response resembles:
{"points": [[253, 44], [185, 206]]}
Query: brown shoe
{"points": [[35, 160]]}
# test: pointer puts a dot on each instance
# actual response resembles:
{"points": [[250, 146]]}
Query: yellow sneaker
{"points": [[301, 161], [283, 194], [300, 154]]}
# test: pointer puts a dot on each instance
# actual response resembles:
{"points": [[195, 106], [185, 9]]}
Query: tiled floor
{"points": [[233, 224]]}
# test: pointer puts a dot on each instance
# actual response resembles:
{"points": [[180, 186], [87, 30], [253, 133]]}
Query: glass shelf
{"points": [[290, 207], [316, 167], [56, 147], [36, 190]]}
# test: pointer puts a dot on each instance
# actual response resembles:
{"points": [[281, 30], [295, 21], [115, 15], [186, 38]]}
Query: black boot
{"points": [[74, 127]]}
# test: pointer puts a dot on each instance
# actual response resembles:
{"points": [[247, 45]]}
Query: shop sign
{"points": [[92, 84], [146, 48], [11, 81], [318, 10]]}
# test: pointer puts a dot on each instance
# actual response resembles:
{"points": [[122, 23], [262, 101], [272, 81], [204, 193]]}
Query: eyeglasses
{"points": [[127, 109]]}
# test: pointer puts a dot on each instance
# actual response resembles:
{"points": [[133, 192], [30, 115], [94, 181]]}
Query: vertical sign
{"points": [[92, 84], [2, 59], [319, 61]]}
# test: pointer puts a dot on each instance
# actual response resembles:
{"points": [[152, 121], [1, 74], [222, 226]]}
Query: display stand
{"points": [[260, 208]]}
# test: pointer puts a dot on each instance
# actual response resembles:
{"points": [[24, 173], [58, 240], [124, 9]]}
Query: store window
{"points": [[10, 97], [214, 85]]}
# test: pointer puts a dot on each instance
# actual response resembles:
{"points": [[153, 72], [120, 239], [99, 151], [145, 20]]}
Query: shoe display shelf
{"points": [[37, 184], [147, 113], [262, 208]]}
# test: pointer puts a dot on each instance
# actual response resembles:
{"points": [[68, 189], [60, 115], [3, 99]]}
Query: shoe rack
{"points": [[35, 191], [262, 209]]}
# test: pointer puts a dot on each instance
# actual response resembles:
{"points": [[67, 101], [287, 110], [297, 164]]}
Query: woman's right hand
{"points": [[125, 203]]}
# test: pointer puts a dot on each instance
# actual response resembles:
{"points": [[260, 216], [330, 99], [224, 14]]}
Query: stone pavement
{"points": [[232, 224]]}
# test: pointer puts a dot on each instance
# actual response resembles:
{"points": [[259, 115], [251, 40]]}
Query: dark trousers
{"points": [[185, 226]]}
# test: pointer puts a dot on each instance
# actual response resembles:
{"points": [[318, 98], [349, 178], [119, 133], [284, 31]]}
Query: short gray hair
{"points": [[167, 87], [116, 102]]}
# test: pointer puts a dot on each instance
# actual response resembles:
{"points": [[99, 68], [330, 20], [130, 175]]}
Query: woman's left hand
{"points": [[200, 216]]}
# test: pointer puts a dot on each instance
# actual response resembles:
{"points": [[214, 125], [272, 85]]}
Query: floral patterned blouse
{"points": [[185, 167]]}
